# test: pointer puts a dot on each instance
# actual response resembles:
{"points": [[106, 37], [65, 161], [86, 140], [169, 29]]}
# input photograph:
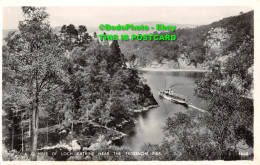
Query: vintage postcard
{"points": [[129, 83]]}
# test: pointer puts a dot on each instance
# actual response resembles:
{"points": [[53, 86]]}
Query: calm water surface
{"points": [[149, 124]]}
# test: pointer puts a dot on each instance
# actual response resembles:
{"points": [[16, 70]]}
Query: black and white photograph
{"points": [[128, 83]]}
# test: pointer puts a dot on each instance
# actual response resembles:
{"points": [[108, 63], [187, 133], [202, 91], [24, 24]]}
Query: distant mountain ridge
{"points": [[92, 29]]}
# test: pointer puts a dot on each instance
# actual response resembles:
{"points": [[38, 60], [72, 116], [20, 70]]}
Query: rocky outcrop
{"points": [[215, 42], [183, 63]]}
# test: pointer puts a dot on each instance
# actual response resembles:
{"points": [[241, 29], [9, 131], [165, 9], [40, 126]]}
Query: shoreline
{"points": [[171, 70]]}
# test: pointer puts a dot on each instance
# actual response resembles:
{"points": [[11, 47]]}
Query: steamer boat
{"points": [[174, 97]]}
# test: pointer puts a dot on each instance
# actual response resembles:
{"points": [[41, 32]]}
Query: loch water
{"points": [[148, 128]]}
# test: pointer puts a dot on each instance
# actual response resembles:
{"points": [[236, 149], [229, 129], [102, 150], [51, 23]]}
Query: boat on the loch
{"points": [[174, 97]]}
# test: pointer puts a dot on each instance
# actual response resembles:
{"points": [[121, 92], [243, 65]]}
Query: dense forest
{"points": [[72, 92], [60, 88]]}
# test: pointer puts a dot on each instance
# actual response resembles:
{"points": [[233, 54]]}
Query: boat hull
{"points": [[172, 99]]}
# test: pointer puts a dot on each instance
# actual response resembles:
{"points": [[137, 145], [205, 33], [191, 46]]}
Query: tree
{"points": [[69, 36], [116, 59], [84, 38], [132, 61], [230, 110], [73, 32], [72, 37], [185, 139], [38, 58], [82, 29]]}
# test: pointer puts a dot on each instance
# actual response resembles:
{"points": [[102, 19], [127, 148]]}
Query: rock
{"points": [[75, 145]]}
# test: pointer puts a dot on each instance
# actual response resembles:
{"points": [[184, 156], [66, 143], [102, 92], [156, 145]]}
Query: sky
{"points": [[92, 16]]}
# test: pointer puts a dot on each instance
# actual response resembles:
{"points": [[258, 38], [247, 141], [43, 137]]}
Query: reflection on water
{"points": [[149, 124]]}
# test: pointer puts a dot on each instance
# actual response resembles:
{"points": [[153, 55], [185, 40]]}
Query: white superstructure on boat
{"points": [[174, 97]]}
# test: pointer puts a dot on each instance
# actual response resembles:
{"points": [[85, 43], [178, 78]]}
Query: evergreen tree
{"points": [[38, 72]]}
